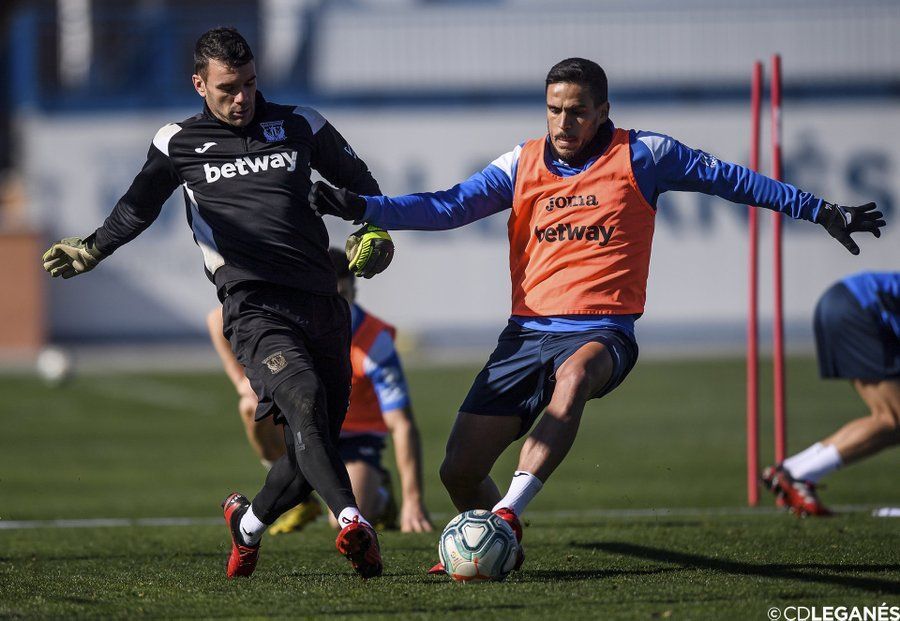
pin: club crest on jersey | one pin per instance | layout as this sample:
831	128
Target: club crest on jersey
273	131
276	362
709	161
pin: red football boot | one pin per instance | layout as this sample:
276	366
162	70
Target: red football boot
437	569
799	496
242	561
359	543
767	479
509	516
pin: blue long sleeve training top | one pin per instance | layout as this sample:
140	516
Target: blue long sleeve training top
660	164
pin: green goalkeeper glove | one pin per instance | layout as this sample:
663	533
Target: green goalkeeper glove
369	251
72	256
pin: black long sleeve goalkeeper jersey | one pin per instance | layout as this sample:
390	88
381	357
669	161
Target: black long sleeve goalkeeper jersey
245	194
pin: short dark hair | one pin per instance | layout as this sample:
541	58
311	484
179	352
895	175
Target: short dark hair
339	261
226	45
581	71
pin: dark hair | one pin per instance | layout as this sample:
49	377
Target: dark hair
223	44
339	261
587	73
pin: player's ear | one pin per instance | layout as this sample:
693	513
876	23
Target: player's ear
199	84
604	112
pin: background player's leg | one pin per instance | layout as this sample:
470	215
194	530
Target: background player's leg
265	437
475	443
367	484
580	376
795	481
866	436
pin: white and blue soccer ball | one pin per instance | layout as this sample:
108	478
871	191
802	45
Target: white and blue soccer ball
477	545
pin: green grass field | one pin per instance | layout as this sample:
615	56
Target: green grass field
164	446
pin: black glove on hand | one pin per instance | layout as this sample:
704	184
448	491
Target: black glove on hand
325	199
840	221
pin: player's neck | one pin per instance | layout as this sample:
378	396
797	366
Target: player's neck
595	147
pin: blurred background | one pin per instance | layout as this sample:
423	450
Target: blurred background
428	92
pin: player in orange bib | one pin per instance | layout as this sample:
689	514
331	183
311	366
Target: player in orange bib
379	405
582	204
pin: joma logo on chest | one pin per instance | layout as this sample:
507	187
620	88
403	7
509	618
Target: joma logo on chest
575	200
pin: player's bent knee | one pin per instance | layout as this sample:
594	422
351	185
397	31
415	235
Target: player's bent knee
890	419
574	379
455	475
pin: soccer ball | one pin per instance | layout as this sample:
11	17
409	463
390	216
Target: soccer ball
477	545
53	366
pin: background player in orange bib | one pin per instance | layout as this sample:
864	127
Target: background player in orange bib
582	204
379	404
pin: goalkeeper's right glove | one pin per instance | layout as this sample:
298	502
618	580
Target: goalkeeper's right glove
72	256
369	251
342	203
840	221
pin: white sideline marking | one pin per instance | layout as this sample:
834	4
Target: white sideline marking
107	523
584	513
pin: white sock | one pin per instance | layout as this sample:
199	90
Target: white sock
267	464
252	528
813	465
348	514
523	487
808	452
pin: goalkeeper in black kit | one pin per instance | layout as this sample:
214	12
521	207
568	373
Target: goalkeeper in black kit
244	164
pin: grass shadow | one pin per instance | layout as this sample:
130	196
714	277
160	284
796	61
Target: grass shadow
802	572
577	575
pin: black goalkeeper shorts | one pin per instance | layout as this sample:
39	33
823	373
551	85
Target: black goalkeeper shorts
278	332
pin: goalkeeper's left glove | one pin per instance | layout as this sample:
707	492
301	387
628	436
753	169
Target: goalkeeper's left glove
369	251
840	221
342	203
72	256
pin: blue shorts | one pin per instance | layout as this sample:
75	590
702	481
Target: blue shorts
520	375
365	447
851	341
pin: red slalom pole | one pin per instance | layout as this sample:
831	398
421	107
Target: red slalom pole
753	301
778	326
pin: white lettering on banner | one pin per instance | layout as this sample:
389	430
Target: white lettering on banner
248	165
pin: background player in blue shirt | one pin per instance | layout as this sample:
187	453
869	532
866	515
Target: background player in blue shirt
857	326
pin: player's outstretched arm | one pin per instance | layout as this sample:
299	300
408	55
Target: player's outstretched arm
841	221
133	213
72	256
483	194
664	164
339	202
233	368
408	452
